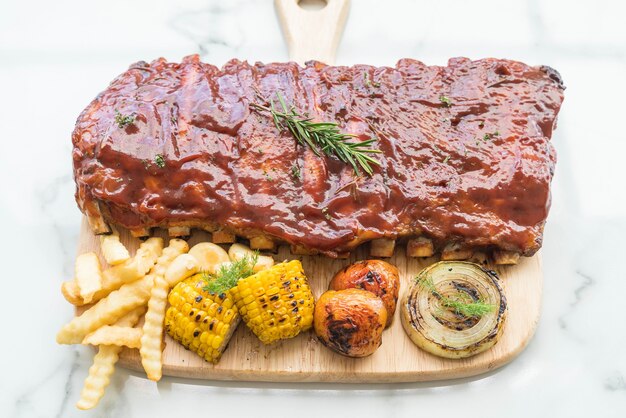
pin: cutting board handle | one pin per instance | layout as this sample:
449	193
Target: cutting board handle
312	34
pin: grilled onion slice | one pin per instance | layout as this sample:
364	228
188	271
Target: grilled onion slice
454	309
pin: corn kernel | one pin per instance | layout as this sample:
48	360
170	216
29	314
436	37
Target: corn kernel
200	321
270	314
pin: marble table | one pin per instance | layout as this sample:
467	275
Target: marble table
56	56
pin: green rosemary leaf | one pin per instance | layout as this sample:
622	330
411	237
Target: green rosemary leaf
323	136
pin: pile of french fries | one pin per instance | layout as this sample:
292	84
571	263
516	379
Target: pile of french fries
129	288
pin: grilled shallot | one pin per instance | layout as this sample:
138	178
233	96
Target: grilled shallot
376	276
350	322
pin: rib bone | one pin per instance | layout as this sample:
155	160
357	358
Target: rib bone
223	237
420	247
505	257
262	242
179	231
455	251
382	247
301	250
140	232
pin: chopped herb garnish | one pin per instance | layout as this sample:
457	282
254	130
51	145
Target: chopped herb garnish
487	137
445	100
369	82
267	175
228	275
159	161
322	137
295	171
445	160
122	120
260	151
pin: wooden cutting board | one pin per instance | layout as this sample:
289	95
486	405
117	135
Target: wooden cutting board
315	35
304	359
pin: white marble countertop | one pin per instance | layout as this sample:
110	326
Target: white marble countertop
56	56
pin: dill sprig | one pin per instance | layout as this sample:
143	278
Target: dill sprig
228	275
324	136
461	304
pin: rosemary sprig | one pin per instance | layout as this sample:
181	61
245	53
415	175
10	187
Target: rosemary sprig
324	136
460	304
228	275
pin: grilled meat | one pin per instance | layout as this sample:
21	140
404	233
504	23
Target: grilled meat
466	153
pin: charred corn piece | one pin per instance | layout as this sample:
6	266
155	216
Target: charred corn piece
276	303
200	321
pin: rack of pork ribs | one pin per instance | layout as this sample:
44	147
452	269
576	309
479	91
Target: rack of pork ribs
465	165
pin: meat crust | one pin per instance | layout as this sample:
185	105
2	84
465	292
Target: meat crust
466	153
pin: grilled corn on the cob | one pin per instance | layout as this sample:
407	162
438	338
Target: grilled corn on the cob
276	303
202	322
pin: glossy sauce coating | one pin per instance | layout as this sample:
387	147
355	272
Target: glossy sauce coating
466	151
350	322
375	276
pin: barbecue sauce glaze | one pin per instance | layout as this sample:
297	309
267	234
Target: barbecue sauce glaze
466	152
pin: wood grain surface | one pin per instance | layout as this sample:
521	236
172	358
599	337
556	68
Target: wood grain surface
304	359
312	34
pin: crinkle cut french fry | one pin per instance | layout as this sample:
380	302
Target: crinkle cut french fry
147	254
114	335
71	293
114	277
174	249
183	266
107	311
99	376
119	302
88	275
103	366
151	350
131	318
113	250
